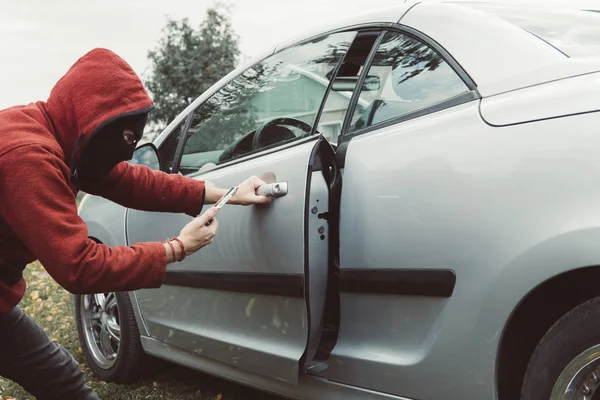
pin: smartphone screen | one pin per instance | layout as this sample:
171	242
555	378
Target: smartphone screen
223	200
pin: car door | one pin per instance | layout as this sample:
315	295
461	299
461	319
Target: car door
254	298
393	285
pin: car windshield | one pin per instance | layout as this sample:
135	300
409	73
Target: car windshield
576	33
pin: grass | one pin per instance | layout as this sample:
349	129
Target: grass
49	305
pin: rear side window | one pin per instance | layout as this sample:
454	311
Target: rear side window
406	76
338	99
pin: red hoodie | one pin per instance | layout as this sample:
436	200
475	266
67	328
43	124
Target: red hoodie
38	213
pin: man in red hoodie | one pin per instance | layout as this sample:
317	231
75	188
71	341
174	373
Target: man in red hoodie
78	140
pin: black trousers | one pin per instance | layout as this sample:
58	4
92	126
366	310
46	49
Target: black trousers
44	368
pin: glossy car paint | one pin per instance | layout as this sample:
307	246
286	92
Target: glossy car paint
524	105
470	198
262	333
491	50
504	207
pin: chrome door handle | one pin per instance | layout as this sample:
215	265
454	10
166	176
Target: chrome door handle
277	189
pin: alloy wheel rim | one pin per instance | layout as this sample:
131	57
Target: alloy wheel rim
101	328
580	379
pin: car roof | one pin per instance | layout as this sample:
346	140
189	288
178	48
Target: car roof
488	48
384	15
393	14
498	55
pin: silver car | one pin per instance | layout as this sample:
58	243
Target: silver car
436	231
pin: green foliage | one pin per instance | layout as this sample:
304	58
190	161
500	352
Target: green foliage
188	61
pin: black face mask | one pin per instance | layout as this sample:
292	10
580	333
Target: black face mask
107	148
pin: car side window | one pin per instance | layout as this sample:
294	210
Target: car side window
406	76
168	148
274	102
344	85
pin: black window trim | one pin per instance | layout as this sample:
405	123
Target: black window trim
181	125
344	140
472	94
179	152
359	84
344	137
446	56
357	27
273	284
452	102
188	118
328	89
398	281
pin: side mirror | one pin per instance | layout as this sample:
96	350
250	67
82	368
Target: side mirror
348	83
147	155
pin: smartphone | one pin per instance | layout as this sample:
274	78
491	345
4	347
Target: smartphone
226	197
223	200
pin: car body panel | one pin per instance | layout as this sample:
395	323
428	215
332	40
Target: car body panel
544	101
562	236
105	221
258	332
567	68
308	388
474	199
503	191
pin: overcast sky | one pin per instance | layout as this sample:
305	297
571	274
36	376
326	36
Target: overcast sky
41	39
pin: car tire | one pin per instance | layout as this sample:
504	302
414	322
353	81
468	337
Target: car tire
566	362
110	339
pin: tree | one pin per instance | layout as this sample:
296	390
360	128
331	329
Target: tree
188	61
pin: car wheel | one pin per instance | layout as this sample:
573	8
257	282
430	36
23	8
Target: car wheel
566	362
109	337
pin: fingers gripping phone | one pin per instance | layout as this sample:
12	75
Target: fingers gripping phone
223	200
226	197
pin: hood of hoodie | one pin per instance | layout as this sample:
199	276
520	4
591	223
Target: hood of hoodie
98	89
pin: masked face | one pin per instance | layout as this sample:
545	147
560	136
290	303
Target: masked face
110	146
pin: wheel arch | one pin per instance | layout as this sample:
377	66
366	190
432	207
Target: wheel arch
543	306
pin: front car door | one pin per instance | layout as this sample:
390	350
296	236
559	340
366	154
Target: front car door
254	298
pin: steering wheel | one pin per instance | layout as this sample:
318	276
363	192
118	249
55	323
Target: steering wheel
257	141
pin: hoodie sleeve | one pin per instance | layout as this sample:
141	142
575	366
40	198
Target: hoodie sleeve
139	187
40	208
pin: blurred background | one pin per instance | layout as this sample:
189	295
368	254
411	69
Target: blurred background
166	42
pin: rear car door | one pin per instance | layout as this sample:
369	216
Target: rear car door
393	285
254	298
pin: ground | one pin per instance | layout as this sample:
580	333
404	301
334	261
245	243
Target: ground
49	305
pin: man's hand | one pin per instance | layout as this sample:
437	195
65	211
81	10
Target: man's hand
197	234
246	194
